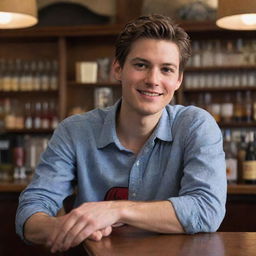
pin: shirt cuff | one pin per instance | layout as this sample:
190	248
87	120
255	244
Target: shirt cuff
185	214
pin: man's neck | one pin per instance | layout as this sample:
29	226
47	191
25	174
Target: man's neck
133	129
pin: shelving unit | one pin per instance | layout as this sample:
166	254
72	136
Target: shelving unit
69	45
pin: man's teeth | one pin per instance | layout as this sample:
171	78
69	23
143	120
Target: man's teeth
150	93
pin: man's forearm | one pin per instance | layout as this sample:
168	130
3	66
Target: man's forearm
156	216
38	227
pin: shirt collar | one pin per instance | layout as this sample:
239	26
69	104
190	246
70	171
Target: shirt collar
163	130
108	134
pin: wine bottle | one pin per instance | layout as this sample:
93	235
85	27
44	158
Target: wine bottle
249	165
230	157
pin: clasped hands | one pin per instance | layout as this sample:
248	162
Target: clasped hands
92	220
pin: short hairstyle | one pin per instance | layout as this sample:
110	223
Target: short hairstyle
153	27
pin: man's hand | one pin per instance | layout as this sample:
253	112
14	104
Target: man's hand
95	220
90	220
98	235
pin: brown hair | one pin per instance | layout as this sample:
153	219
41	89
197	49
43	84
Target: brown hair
153	27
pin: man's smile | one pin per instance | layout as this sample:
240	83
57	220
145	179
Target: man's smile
149	93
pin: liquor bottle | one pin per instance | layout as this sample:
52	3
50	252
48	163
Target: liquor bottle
238	108
227	109
28	120
230	157
197	56
36	76
7	76
241	153
249	165
53	75
44	75
248	107
19	159
5	158
45	122
53	117
37	116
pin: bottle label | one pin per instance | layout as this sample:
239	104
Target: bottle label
231	168
249	170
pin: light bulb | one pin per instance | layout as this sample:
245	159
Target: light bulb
249	19
5	17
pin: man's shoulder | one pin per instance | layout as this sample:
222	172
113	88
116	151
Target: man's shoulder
93	118
180	112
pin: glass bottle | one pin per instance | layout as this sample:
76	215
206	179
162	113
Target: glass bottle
28	121
249	165
19	159
238	108
53	75
196	56
230	157
38	116
7	76
241	153
53	115
44	75
227	109
248	107
207	54
45	116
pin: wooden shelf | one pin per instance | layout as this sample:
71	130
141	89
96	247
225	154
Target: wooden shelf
28	131
220	68
237	125
93	30
13	186
21	94
242	189
101	30
62	31
219	89
98	84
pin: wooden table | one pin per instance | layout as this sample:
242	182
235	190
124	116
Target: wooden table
126	241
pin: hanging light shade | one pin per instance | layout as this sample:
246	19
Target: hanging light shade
17	13
236	14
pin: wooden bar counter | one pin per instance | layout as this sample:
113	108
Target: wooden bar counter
128	241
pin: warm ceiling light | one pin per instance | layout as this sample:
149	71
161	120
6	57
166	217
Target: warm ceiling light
236	14
17	13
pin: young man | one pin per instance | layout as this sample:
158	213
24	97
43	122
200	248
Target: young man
168	161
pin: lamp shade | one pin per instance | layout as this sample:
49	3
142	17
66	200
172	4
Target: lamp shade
236	14
17	13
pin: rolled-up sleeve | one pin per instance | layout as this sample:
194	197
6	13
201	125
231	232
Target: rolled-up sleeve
52	181
200	206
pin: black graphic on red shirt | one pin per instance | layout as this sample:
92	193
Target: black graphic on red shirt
117	193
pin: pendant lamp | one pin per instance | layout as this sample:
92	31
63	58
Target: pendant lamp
17	13
236	14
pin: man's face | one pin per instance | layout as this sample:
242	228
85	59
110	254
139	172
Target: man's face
150	76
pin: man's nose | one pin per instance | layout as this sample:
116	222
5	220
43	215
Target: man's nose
152	77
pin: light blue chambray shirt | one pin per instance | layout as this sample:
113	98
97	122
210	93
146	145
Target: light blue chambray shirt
183	162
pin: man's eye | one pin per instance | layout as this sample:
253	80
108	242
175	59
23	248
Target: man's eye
140	65
167	70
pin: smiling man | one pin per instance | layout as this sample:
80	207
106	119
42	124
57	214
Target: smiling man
168	161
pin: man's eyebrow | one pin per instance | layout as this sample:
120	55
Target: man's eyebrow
140	59
146	61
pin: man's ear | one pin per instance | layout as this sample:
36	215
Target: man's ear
117	70
180	79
